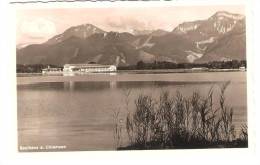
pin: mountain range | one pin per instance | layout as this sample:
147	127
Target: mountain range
220	37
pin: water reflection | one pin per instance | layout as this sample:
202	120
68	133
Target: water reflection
73	85
113	84
69	85
103	85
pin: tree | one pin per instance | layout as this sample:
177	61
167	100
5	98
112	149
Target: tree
140	65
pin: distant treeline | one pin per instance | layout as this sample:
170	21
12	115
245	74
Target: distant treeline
140	65
33	68
234	64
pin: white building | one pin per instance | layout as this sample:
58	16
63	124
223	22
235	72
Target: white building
242	68
50	70
88	68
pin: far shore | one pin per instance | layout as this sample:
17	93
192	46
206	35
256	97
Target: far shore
133	75
152	71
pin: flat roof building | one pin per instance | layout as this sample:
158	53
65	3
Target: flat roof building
85	68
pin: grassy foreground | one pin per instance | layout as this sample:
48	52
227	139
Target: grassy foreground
178	122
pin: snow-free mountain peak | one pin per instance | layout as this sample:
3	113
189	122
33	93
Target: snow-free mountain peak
227	15
81	31
219	23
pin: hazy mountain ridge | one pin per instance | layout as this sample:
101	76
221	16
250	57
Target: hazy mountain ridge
158	32
221	36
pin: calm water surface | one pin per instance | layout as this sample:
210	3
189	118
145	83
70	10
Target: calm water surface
78	111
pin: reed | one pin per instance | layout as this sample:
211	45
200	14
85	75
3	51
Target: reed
117	131
175	121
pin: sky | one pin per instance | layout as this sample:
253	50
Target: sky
38	25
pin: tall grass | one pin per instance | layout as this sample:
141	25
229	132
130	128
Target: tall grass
117	132
175	121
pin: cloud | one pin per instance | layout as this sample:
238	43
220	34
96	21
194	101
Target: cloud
38	28
125	24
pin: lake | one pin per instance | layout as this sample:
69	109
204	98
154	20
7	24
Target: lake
77	111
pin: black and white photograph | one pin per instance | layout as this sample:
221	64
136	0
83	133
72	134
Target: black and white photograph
131	78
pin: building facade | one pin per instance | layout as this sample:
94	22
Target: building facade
88	68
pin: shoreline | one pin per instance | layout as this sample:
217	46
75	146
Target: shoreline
144	71
201	77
